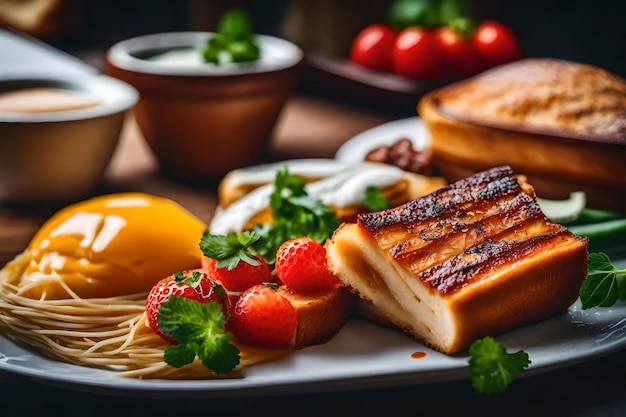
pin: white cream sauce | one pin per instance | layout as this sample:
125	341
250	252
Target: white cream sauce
341	185
271	57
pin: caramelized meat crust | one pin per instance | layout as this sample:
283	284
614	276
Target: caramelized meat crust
449	201
448	236
475	258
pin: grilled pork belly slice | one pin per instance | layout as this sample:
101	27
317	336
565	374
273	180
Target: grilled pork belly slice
473	259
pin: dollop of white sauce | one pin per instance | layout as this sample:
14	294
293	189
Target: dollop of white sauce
272	56
340	186
189	57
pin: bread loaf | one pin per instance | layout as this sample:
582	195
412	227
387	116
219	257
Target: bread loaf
560	123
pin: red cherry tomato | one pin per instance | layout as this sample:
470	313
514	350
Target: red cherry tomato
459	53
416	54
497	43
372	46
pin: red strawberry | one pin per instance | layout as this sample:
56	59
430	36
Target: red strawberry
241	277
232	261
301	266
193	285
263	317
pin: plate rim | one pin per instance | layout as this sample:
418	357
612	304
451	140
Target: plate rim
107	381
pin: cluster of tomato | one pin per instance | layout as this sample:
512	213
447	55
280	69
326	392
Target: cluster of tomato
426	47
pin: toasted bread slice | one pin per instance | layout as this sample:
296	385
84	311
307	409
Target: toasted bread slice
473	259
320	316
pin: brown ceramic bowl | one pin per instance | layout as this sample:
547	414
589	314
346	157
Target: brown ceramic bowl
58	134
202	121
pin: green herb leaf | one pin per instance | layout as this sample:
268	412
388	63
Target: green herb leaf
450	10
193	279
234	41
404	13
200	331
228	250
375	200
235	24
427	13
604	285
295	213
462	25
244	50
491	368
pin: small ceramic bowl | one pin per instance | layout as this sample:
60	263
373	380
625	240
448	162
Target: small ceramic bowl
202	120
58	134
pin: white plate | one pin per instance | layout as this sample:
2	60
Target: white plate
362	355
357	148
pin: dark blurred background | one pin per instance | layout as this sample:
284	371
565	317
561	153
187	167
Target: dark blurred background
590	31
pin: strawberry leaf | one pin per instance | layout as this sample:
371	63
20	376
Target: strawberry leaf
200	331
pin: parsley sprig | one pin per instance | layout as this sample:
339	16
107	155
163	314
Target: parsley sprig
200	331
234	41
492	368
375	200
229	249
604	285
295	213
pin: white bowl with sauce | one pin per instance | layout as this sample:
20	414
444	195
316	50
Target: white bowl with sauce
203	120
58	134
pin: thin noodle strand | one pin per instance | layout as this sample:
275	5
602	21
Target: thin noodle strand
108	333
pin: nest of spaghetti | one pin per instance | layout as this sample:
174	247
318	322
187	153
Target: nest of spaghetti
77	292
108	333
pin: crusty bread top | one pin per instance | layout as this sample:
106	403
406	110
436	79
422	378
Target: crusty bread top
540	95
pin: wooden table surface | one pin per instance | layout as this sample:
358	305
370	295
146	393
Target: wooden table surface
310	126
